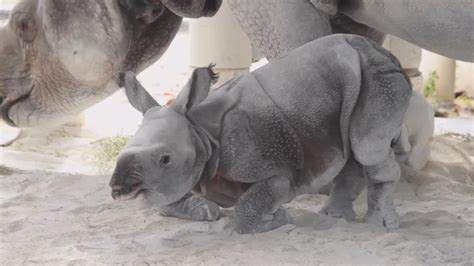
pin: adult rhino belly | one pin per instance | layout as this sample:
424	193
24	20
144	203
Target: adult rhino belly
441	26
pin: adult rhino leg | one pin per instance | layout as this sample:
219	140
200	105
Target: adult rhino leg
259	208
346	187
276	27
192	207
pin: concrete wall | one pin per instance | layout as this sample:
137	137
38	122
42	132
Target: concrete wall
453	75
465	77
4	4
220	40
5	7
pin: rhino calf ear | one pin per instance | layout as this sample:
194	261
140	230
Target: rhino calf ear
196	90
136	94
327	6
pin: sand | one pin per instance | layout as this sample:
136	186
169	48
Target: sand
56	208
51	217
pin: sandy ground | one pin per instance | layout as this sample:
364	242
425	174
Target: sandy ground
55	206
58	218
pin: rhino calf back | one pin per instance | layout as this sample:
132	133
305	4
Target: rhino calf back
293	117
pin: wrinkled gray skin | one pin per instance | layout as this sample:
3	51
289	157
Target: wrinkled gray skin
276	27
288	128
59	57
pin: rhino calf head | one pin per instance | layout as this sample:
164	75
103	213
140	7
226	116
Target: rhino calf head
167	155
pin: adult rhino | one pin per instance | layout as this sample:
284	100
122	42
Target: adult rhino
276	27
59	57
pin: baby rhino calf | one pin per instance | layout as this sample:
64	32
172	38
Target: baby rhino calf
328	111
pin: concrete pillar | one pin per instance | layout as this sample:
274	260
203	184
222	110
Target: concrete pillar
409	56
221	41
445	68
465	77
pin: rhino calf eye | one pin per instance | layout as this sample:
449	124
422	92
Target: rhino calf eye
165	160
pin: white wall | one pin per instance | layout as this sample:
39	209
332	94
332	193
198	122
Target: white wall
454	75
7	4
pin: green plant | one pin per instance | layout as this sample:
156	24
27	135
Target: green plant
429	86
106	151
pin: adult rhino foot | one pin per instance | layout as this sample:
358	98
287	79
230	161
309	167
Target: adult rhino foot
384	217
268	222
8	134
192	207
339	210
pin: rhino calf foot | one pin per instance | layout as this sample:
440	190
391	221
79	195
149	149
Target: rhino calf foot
339	210
259	208
192	207
382	179
345	188
380	219
268	222
383	217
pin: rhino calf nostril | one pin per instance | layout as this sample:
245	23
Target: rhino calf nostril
116	187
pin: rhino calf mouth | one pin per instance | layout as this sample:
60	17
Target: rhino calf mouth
126	192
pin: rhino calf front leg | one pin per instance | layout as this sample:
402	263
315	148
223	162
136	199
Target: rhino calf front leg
381	182
259	208
192	207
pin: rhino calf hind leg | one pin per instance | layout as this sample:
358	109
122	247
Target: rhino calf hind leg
381	181
259	208
346	187
192	207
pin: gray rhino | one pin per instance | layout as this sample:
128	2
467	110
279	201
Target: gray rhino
278	26
327	111
59	57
